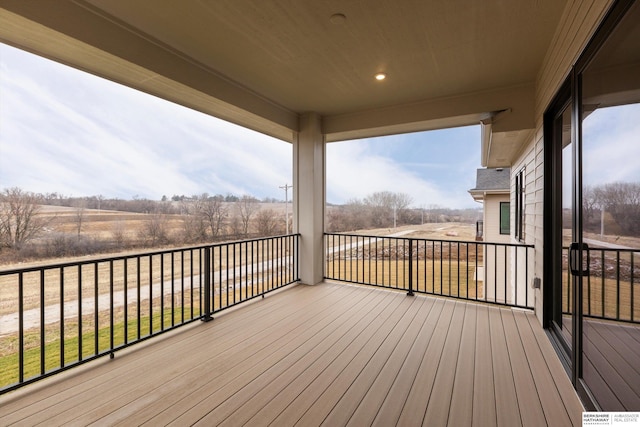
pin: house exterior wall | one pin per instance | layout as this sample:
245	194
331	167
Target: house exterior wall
577	25
496	258
491	218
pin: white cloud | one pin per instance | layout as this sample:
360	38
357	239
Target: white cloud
354	172
69	132
611	147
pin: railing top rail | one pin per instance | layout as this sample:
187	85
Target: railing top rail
471	242
135	255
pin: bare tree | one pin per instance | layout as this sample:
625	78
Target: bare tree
354	215
155	230
235	225
622	201
80	206
386	207
118	231
214	213
194	226
246	207
266	222
204	216
400	204
99	199
433	212
19	219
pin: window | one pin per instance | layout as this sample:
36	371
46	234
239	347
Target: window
505	220
479	229
519	228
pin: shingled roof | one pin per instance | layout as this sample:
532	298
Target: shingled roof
491	180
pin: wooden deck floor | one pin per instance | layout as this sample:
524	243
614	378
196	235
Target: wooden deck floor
330	354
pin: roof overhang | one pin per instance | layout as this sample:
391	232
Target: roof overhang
479	196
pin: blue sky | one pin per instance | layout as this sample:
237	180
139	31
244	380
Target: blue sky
62	130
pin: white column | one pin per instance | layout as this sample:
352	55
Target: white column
309	196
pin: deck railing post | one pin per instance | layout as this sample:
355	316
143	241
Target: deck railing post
206	317
410	293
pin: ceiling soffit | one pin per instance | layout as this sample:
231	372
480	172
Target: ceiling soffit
448	63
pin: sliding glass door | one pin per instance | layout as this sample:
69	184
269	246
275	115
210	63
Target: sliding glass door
610	217
592	132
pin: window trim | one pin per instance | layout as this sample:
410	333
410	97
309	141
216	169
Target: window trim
520	206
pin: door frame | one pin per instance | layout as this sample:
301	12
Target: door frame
552	223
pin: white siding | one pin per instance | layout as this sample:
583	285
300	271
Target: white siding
497	277
492	218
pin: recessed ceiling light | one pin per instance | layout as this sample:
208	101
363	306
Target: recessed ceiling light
381	76
337	19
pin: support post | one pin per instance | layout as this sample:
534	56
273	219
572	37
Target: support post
309	196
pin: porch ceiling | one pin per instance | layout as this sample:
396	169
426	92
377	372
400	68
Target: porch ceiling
261	64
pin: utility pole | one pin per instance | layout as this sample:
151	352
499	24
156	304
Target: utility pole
286	188
394	216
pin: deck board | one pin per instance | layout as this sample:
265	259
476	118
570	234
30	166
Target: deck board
529	402
313	387
484	399
269	406
420	392
439	402
556	370
550	398
335	392
463	385
271	384
389	412
352	398
329	354
378	392
507	406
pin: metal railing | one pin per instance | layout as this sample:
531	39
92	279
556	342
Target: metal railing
610	290
55	317
498	273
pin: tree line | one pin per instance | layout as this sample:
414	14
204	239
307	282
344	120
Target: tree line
181	220
137	204
619	201
28	232
387	209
